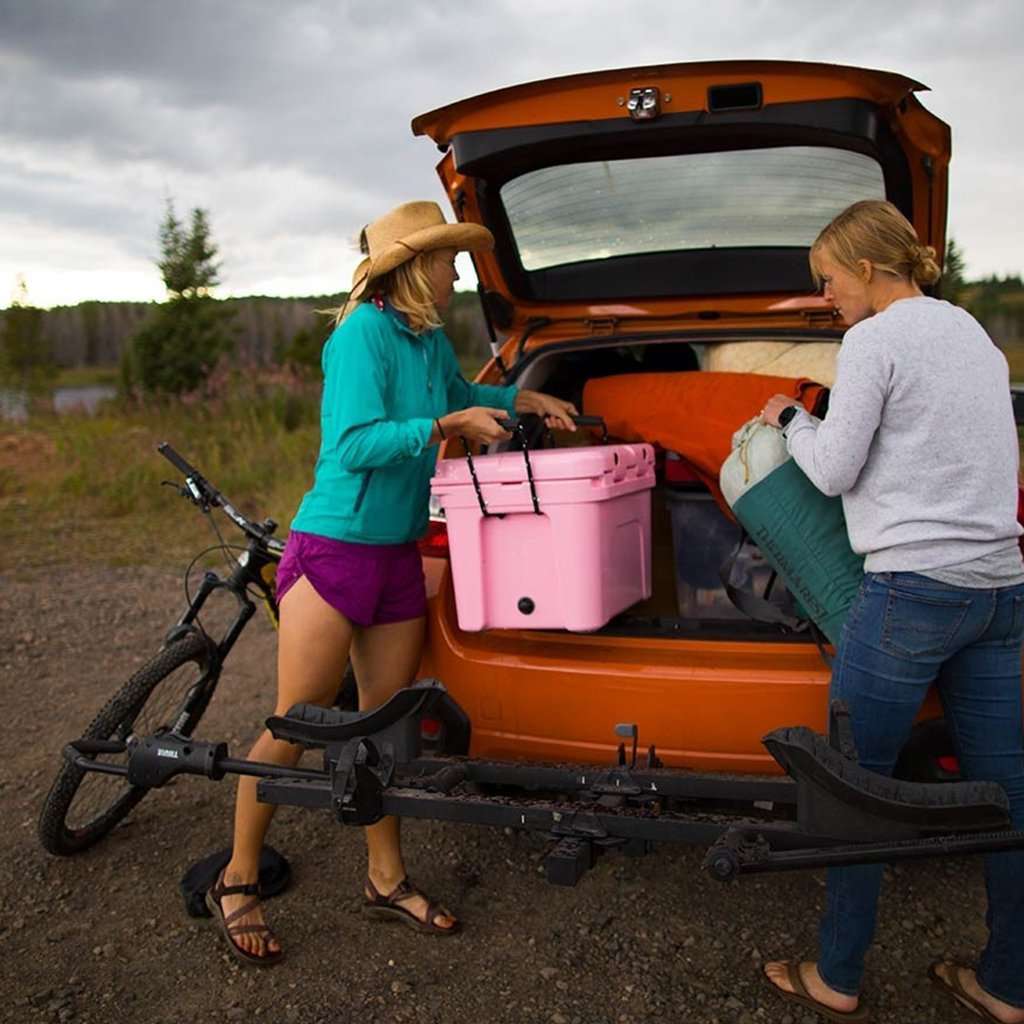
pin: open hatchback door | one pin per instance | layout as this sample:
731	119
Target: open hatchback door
683	187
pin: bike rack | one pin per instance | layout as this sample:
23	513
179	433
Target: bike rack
828	811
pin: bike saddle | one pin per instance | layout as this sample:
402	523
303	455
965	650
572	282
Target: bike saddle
313	725
839	799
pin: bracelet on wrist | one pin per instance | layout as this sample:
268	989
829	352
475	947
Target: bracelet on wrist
440	429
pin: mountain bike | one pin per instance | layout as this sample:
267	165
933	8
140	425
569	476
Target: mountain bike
171	692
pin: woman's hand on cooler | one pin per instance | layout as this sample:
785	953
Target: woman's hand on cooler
775	405
556	412
478	423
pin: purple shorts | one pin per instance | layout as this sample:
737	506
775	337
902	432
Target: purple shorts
370	584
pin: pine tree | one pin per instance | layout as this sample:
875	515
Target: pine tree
180	343
953	281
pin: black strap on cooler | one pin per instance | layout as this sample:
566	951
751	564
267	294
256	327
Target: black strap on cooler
520	435
516	426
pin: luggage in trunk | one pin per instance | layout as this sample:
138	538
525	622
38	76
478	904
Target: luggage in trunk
800	531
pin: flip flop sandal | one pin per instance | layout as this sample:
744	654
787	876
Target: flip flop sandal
229	929
802	997
953	987
387	908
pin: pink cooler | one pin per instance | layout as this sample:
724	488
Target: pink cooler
583	558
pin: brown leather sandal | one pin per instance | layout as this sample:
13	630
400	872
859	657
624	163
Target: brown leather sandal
387	908
954	988
229	930
803	998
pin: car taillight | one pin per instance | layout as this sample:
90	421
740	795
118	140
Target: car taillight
430	728
680	473
434	544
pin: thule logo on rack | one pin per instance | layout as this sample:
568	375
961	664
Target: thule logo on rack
166	752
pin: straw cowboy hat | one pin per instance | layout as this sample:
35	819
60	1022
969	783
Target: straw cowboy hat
405	232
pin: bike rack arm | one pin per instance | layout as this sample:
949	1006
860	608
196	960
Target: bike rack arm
741	852
156	760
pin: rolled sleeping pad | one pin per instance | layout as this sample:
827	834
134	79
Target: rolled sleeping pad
800	531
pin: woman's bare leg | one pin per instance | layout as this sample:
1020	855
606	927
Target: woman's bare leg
312	652
385	659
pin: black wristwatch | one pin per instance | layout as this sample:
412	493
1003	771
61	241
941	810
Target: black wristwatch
786	415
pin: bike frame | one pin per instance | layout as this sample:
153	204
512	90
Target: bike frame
262	553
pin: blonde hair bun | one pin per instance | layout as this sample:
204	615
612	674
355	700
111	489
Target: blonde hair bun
926	267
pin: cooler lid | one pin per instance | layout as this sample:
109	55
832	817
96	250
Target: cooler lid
594	462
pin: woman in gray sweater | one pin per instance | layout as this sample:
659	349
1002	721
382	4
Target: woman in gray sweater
921	444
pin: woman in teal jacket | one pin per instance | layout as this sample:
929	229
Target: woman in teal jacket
350	582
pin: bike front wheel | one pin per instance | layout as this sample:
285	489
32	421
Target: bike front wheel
171	691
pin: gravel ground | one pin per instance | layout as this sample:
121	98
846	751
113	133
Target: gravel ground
104	936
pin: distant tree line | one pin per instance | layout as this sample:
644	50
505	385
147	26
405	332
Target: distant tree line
170	347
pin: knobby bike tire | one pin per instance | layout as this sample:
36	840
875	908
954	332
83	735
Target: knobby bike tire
116	718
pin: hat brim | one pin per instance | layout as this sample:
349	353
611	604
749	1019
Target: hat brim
461	237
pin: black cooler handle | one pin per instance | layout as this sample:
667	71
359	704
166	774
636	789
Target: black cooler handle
517	429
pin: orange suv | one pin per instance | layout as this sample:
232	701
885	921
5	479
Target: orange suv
647	221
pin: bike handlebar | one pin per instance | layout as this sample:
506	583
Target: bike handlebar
201	492
176	460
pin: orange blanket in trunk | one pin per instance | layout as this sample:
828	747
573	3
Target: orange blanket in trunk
694	413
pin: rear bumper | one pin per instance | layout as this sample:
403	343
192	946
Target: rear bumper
704	704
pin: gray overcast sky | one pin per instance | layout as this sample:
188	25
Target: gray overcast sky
289	122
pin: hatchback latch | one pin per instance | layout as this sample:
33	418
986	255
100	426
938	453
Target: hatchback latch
644	104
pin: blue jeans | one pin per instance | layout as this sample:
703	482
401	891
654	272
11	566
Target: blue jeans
905	632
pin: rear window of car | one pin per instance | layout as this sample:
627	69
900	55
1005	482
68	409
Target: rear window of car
754	198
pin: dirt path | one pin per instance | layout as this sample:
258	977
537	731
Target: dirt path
103	937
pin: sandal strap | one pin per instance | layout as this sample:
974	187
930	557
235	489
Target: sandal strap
219	889
251	889
403	891
246	908
248	929
796	979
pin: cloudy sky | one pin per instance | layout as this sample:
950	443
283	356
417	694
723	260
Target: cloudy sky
289	122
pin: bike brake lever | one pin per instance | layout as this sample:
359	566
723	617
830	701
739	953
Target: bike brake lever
182	490
190	491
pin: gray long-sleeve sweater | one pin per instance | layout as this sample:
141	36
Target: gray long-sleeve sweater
919	440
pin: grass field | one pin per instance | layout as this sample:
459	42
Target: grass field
89	488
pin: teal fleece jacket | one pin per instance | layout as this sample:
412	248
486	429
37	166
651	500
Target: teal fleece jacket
384	385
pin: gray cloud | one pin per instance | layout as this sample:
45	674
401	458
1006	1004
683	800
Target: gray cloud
290	122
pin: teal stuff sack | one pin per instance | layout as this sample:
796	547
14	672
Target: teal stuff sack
802	534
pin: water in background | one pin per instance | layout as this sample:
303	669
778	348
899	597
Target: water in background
14	404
